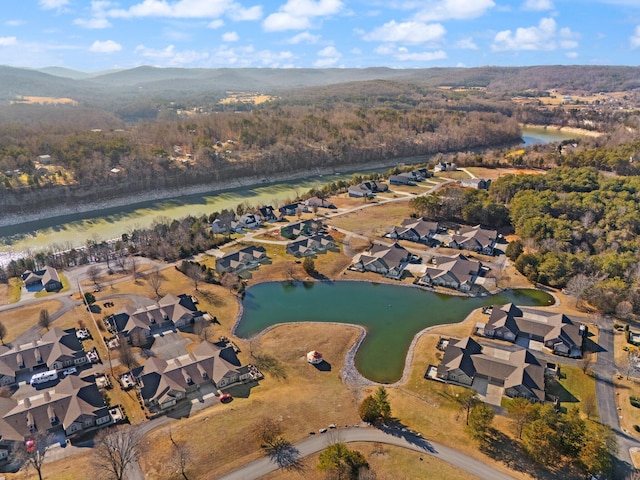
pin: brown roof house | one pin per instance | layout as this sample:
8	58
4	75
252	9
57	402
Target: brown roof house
556	331
415	230
163	384
56	350
476	239
74	406
367	189
468	363
456	272
46	278
320	203
169	312
386	260
247	258
305	246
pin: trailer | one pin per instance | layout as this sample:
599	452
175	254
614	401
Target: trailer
43	377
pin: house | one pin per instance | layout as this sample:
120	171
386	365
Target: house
248	257
444	167
164	384
56	350
169	312
457	272
293	209
267	214
248	220
477	183
306	227
401	179
305	246
44	159
423	172
317	202
218	227
475	239
415	230
555	331
74	406
519	373
367	189
386	260
46	278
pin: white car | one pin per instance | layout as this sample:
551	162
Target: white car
70	371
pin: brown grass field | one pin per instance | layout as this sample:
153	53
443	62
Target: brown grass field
19	321
374	221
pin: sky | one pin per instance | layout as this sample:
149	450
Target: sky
97	35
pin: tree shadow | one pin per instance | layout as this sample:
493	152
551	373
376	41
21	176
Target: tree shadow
288	458
556	389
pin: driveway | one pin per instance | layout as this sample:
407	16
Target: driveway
317	443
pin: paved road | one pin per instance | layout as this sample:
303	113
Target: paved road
317	443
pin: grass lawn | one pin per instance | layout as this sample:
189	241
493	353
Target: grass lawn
572	387
374	221
19	321
12	291
388	462
299	402
78	467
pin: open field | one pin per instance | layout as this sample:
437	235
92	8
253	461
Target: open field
79	469
388	462
33	100
300	401
19	321
493	173
572	387
374	221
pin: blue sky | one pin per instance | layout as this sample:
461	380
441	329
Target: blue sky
103	34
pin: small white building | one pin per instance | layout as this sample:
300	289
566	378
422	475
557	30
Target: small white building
314	357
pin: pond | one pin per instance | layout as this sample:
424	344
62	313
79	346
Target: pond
392	315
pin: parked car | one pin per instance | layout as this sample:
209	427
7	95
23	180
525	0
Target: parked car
226	397
70	371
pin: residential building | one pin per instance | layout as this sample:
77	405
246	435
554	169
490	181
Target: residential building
415	230
55	350
457	272
169	312
386	260
293	209
402	179
306	227
518	372
46	278
367	189
317	202
478	183
218	227
268	214
248	220
555	331
304	246
475	239
164	384
247	258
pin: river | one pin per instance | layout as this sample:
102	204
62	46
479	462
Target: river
73	230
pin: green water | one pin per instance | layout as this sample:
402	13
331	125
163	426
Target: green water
541	135
392	315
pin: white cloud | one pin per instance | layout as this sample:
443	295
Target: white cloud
298	14
53	4
452	9
8	41
169	56
14	23
571	54
230	37
405	56
412	33
304	37
329	57
634	39
92	23
538	5
108	46
544	36
466	44
240	14
216	24
187	9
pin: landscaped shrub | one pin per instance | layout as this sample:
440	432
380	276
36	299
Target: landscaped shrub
635	401
636	428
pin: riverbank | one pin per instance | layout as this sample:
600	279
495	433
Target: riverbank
568	130
158	195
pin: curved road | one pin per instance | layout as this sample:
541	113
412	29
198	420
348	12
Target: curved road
318	443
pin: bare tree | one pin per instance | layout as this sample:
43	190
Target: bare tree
93	272
44	321
589	405
579	286
117	449
624	309
585	363
229	280
182	455
194	272
156	279
32	453
127	357
3	332
134	267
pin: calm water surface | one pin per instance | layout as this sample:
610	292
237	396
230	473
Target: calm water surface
392	315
